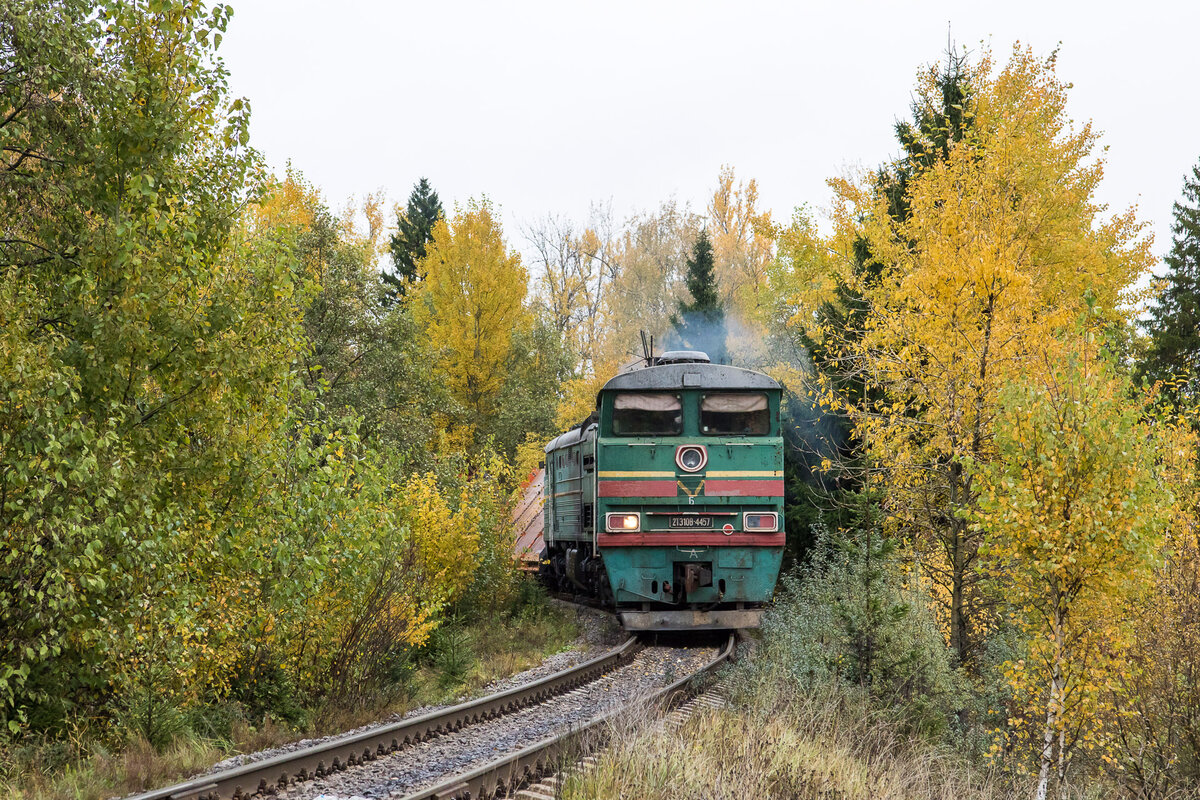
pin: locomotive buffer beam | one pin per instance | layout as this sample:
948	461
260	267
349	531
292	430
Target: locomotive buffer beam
686	619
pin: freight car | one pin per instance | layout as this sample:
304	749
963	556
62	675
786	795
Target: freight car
667	501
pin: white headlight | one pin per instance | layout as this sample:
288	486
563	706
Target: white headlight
622	523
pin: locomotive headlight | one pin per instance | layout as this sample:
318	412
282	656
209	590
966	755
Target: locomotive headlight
760	521
691	457
618	523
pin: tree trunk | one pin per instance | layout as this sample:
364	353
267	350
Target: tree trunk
962	498
958	621
1052	708
1062	763
1047	745
959	641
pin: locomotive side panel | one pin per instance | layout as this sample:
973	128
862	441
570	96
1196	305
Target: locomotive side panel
569	561
570	490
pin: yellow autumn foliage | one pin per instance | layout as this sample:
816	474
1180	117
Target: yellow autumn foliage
444	541
742	240
1001	250
579	394
469	303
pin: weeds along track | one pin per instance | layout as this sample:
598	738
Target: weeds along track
287	774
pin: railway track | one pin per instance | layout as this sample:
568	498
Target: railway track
279	772
549	756
558	713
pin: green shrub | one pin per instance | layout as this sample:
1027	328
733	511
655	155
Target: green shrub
852	615
451	655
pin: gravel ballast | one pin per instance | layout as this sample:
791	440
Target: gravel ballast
427	762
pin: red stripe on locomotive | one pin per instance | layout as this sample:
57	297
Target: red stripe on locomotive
700	538
637	489
737	488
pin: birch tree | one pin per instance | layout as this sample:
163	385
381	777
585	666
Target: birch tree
742	241
1072	510
575	272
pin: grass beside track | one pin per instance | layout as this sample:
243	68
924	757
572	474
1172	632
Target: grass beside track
460	660
817	744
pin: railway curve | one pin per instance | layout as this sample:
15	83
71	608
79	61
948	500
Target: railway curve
274	774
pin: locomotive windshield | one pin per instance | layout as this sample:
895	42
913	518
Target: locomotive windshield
735	414
647	414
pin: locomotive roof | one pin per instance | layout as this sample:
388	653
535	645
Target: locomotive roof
690	376
575	434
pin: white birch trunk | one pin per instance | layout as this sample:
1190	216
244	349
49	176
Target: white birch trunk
1052	710
1062	763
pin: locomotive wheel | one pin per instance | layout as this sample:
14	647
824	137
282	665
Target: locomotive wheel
605	592
561	582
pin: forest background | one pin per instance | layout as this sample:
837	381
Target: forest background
256	452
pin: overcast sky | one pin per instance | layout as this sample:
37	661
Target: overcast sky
546	107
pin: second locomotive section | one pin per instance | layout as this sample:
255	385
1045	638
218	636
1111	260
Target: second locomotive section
668	501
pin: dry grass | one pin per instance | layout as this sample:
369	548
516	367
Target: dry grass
821	745
84	768
102	773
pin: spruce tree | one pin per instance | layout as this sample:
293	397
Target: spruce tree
414	229
700	324
937	124
1173	355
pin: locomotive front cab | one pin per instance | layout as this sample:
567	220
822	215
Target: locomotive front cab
689	494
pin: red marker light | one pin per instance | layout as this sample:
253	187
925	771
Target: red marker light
763	521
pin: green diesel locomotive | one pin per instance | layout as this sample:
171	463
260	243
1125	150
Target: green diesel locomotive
667	502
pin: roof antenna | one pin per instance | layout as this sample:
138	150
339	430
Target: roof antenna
647	349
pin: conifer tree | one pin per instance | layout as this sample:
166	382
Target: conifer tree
700	324
414	229
1173	356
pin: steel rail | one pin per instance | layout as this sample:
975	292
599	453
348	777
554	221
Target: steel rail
511	772
259	777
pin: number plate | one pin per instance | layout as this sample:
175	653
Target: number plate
690	522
